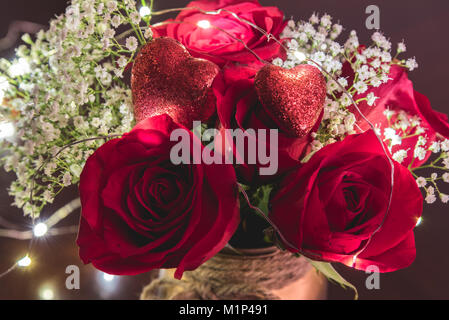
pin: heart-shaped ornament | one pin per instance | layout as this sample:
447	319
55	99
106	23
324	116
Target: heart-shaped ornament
167	79
294	98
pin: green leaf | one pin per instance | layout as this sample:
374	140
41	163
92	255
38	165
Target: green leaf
263	195
328	270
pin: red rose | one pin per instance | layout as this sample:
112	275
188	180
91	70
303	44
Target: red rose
398	94
219	46
334	207
141	212
238	107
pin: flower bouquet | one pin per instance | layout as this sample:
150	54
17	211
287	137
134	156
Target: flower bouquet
229	144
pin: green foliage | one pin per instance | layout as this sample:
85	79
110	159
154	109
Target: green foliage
328	270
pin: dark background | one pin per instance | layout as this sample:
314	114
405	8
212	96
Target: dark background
424	25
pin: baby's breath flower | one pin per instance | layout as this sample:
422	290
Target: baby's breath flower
390	134
148	33
343	82
371	99
401	47
430	198
421	182
420	153
445	177
411	64
116	21
435	147
445	145
361	87
135	18
446	163
400	155
131	43
111	5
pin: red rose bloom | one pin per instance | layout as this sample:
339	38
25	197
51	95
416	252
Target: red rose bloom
238	107
219	46
334	207
141	212
398	94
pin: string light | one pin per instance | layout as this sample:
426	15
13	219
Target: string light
47	293
24	262
40	229
144	11
204	24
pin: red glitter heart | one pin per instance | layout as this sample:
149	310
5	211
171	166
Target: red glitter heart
167	79
294	98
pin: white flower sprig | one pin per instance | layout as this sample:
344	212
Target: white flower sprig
316	39
67	85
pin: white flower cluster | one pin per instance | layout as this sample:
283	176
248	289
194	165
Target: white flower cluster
440	163
67	85
403	126
314	41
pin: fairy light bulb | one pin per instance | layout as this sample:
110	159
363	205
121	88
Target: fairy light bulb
40	229
204	24
108	277
144	11
47	294
24	262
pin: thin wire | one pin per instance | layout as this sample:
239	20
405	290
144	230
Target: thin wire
269	37
219	29
270	222
63	212
50	222
12	268
27	235
354	258
7	224
15	29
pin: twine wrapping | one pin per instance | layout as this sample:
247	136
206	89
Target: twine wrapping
230	277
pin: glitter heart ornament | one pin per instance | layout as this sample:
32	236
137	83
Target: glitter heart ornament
294	98
165	78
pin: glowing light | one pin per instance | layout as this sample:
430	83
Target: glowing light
19	68
47	294
418	222
108	277
204	24
300	56
7	130
144	11
24	262
40	229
